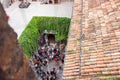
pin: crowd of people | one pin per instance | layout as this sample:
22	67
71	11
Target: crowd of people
43	57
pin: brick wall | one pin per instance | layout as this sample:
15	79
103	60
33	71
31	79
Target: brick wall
100	45
101	37
72	60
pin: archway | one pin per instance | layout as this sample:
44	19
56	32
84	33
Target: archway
51	38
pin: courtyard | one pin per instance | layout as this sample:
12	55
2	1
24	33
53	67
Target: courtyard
19	18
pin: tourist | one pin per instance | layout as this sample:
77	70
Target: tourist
53	73
62	57
45	55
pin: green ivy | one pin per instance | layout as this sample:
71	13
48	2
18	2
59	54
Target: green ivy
111	78
30	36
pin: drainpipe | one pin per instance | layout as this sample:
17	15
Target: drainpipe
81	33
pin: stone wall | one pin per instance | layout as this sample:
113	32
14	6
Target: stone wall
94	39
13	64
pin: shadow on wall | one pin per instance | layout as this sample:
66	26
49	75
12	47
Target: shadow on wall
13	64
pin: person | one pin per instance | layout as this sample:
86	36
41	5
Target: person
31	62
60	67
48	75
46	39
62	57
40	53
44	75
42	41
57	52
45	62
48	43
35	61
50	57
53	73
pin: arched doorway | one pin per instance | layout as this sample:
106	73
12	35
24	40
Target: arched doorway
51	38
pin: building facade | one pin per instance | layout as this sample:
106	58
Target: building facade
93	47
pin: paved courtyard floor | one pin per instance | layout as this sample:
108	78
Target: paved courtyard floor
19	18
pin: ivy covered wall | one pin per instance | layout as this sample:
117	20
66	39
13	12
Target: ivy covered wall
30	36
